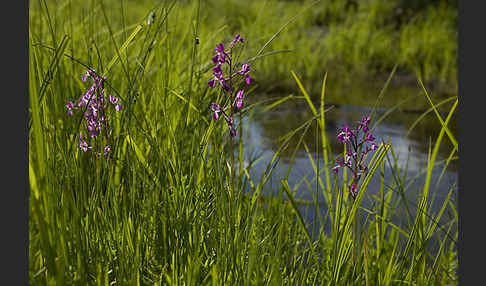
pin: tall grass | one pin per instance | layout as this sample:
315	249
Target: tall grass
161	211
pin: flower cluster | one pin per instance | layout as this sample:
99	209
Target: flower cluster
94	103
223	60
357	147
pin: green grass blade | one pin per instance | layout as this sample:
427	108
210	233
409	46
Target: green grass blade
431	162
288	191
325	145
141	157
277	103
122	49
449	133
424	114
306	95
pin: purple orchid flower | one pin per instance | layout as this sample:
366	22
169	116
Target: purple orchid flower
94	103
226	78
220	48
248	79
369	137
238	38
239	99
113	99
83	145
245	68
357	149
106	150
216	110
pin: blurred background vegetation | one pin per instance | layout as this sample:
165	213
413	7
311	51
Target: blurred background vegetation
357	42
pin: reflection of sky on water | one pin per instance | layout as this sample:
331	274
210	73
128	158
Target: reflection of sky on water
261	141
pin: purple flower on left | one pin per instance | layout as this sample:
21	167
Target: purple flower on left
93	105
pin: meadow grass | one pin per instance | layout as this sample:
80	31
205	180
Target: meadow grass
161	211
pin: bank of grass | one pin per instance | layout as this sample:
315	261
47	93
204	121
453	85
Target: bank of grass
160	212
357	40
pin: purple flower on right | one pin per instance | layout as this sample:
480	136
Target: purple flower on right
359	142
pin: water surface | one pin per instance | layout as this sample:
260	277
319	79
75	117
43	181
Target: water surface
262	131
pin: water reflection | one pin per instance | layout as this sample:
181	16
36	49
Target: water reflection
262	131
